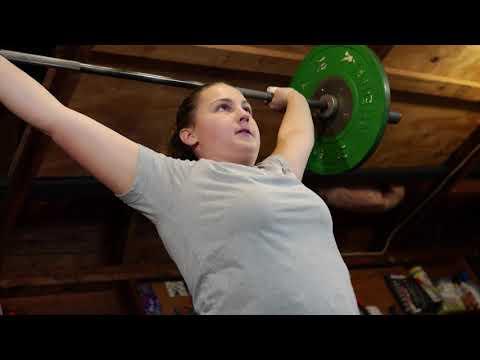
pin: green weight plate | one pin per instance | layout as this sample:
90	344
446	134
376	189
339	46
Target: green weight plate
355	76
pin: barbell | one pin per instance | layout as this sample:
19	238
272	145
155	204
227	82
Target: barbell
345	86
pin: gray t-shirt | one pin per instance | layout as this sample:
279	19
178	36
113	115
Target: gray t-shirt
246	239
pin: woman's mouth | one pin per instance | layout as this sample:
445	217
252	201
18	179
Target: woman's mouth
245	132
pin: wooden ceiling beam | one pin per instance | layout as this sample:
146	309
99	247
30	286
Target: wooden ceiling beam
416	82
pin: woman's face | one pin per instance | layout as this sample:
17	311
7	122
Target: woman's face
224	128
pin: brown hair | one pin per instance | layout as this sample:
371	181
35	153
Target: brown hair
176	147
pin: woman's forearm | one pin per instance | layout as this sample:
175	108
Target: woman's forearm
363	199
297	118
26	98
104	153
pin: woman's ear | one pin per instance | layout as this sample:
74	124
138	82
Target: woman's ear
188	137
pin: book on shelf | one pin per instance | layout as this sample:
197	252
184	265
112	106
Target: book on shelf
165	298
418	294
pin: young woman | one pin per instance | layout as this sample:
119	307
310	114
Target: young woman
247	238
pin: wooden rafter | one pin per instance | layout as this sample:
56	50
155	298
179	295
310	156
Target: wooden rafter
435	85
458	165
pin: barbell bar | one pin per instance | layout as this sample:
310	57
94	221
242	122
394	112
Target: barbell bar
323	105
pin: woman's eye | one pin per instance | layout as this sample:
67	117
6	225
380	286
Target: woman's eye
223	107
247	109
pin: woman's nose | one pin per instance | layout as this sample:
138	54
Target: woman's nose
244	116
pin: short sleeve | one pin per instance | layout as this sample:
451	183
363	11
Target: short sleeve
158	179
275	164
